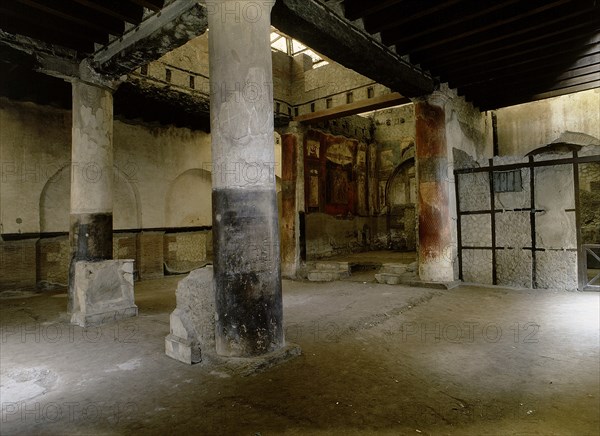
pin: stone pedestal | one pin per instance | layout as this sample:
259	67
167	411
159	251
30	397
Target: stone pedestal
103	292
247	270
193	321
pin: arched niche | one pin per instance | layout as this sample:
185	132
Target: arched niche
55	204
189	200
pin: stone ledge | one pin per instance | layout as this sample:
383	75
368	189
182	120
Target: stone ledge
95	319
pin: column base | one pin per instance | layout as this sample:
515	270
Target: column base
246	366
436	271
102	292
192	323
184	350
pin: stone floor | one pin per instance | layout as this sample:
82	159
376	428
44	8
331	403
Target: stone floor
377	359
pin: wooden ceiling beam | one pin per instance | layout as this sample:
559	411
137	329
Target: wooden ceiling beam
319	27
153	5
358	107
121	10
481	44
77	15
578	29
64	36
553	60
504	101
360	9
549	80
383	22
564	48
454	37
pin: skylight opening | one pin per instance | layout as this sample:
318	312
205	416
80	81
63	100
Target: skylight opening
292	47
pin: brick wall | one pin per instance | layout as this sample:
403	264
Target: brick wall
150	257
17	264
53	257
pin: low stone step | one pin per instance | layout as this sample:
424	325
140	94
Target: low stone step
332	266
388	279
320	275
393	268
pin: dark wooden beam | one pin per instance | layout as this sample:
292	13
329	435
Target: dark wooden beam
567	48
388	19
495	41
45	20
553	60
179	22
320	28
29	26
121	10
490	104
517	44
77	14
520	81
358	107
154	5
455	37
446	23
355	9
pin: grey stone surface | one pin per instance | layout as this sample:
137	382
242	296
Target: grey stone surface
192	323
513	268
476	230
474	192
555	195
477	266
556	270
103	292
513	229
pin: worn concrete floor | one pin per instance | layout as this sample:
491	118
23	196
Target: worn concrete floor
377	359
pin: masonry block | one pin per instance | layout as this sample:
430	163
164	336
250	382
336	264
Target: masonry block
193	321
150	256
103	292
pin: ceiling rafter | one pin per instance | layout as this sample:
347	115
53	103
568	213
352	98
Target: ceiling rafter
500	52
455	37
77	14
382	21
121	10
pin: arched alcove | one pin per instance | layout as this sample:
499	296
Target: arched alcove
400	197
55	204
189	200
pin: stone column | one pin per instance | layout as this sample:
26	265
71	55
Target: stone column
92	171
247	270
292	180
436	247
92	212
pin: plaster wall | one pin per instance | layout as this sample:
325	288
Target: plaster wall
161	180
555	265
525	127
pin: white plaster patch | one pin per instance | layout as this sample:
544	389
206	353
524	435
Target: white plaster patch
130	365
25	383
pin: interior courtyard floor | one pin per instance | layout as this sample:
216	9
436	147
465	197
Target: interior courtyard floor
376	359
